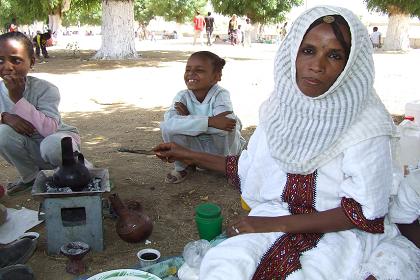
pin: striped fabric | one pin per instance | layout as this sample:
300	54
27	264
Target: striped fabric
303	132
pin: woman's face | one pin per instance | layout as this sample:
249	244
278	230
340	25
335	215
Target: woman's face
14	59
320	59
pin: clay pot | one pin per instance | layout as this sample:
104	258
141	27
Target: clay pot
75	251
132	226
73	173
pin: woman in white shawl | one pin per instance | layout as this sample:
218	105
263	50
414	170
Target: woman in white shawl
317	172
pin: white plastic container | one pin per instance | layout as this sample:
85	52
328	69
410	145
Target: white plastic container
413	109
409	143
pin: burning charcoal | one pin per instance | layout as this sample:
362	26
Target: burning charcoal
95	184
52	189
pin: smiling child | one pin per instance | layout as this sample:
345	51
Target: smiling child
201	117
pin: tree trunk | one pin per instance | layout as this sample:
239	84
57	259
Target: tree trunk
397	33
54	23
118	39
55	19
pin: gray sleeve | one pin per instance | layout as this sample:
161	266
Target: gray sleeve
45	97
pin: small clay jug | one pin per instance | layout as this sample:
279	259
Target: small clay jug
132	226
72	173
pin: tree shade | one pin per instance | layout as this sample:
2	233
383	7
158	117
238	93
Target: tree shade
259	11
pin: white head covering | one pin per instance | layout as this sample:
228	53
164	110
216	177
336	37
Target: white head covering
304	133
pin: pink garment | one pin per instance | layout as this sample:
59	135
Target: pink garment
43	124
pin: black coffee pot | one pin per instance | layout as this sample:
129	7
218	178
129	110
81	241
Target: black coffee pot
72	173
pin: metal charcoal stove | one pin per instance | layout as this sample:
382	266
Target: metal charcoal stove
72	216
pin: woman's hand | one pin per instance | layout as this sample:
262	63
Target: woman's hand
15	84
19	124
222	122
181	109
253	224
170	152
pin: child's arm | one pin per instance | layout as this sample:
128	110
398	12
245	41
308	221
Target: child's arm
43	124
223	120
179	121
24	113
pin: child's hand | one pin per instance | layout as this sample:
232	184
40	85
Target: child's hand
181	109
19	124
15	84
170	152
222	122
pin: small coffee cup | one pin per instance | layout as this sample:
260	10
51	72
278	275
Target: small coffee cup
148	257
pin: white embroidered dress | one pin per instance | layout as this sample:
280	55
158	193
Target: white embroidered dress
363	173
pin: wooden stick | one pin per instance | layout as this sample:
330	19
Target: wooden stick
136	151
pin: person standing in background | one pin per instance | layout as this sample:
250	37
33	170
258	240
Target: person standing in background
375	37
40	42
199	25
233	27
247	33
209	21
283	31
13	26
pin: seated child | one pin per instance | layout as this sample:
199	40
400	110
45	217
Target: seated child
30	125
201	117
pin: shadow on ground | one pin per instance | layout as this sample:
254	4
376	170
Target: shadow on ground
67	63
136	177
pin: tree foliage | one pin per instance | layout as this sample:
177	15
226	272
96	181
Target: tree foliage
143	12
28	11
83	12
259	11
89	11
22	11
390	7
177	10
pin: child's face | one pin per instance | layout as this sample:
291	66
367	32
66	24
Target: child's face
14	59
320	60
199	74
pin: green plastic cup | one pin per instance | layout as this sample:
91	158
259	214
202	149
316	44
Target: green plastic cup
209	220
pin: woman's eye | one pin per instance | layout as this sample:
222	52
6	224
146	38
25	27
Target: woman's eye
307	51
335	56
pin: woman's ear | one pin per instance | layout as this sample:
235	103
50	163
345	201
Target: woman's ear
32	62
219	76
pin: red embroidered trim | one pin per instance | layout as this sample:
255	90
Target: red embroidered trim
282	258
232	171
300	193
353	211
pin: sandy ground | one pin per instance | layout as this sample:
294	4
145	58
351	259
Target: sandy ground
120	104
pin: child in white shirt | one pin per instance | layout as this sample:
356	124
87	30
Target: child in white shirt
201	117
